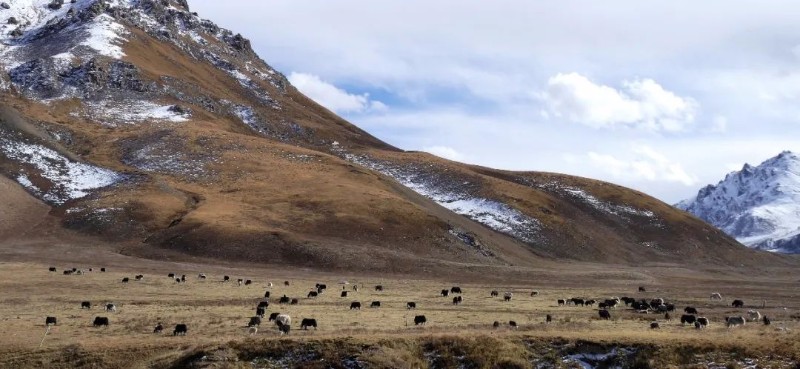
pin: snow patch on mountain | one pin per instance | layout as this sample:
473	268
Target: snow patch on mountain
456	197
26	20
759	206
67	179
114	114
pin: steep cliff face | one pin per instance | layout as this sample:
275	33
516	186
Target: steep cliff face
760	206
140	122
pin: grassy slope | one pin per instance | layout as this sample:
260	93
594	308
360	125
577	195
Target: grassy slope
262	200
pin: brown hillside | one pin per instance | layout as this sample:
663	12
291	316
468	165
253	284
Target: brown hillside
260	173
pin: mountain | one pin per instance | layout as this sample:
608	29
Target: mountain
760	206
165	136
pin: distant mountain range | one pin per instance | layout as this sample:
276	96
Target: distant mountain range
759	206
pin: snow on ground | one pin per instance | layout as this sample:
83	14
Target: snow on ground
70	180
607	206
491	213
247	115
134	112
103	34
620	210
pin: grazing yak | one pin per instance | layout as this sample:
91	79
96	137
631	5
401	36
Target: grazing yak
355	305
158	329
411	305
379	288
263	305
507	296
285	283
312	294
496	324
455	289
308	322
457	300
111	307
260	312
125	280
642	289
284	300
754	315
67	272
273	316
284	328
604	314
703	321
139	277
534	293
766	320
690	310
201	276
226	278
344	294
183	277
494	294
50	320
734	321
86	305
266	294
716	296
577	301
688	319
589	302
548	318
52	269
738	303
445	293
248	282
171	275
254	321
321	286
612	303
375	304
512	323
100	321
420	319
562	302
283	319
240	281
180	330
294	302
103	270
655	325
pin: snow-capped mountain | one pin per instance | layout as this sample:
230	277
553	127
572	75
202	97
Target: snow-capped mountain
759	206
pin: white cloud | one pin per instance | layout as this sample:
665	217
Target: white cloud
640	103
332	97
444	152
643	163
720	124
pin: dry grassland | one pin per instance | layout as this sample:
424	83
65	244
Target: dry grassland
217	312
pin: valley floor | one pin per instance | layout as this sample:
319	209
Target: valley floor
217	313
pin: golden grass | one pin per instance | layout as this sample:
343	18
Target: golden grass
217	313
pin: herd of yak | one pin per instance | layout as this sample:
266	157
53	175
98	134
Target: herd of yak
283	321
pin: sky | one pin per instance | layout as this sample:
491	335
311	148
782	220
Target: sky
661	96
